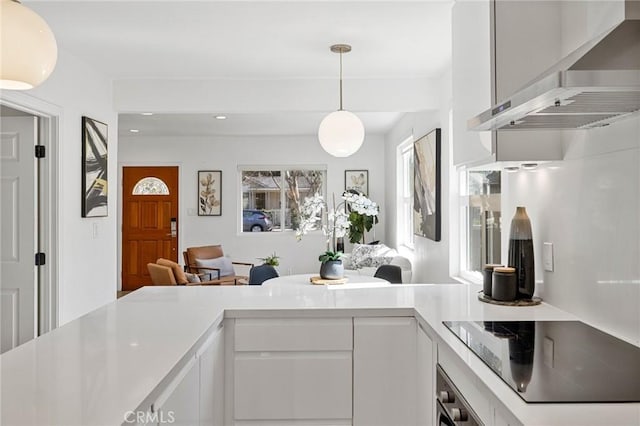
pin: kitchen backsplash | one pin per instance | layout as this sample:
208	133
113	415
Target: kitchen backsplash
588	206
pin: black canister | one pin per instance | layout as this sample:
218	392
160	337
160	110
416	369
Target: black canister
504	286
487	274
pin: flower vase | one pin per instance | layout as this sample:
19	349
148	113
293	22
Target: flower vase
521	253
332	270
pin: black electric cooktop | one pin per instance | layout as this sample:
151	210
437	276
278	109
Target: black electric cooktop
555	361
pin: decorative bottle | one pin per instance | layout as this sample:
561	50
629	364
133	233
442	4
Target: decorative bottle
521	253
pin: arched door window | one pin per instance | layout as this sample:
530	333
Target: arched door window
150	186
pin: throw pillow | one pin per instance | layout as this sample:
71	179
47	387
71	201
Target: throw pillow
364	255
178	272
222	263
193	278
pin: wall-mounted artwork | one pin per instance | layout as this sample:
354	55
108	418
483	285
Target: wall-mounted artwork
357	180
94	168
426	186
210	193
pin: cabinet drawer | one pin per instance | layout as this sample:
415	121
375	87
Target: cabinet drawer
295	334
293	385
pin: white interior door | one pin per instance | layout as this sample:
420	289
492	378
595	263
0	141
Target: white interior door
18	217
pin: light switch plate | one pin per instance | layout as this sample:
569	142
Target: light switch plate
547	256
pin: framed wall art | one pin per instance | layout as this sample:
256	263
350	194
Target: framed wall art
357	180
426	190
209	193
94	168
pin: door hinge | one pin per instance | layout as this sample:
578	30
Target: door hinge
40	259
40	151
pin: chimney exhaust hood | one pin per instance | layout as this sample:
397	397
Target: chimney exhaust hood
597	84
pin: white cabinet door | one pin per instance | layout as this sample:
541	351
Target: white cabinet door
384	371
178	403
426	379
211	363
289	371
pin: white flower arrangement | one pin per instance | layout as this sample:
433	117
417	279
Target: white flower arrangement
361	204
338	222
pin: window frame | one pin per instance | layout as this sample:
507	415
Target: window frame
404	195
463	218
283	198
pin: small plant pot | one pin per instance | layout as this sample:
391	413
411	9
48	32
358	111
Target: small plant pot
332	270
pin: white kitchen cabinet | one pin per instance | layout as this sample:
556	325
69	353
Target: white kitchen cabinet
178	403
290	371
425	377
211	389
384	375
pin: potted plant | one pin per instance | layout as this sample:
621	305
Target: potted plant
363	215
331	267
273	260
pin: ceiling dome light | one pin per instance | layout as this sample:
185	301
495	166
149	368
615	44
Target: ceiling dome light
221	117
341	133
28	52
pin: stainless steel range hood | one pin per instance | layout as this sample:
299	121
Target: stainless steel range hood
597	84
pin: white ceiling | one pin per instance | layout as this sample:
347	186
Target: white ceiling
253	40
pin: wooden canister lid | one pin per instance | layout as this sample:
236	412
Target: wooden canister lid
491	266
505	270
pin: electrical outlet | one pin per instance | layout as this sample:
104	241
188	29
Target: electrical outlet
94	230
547	256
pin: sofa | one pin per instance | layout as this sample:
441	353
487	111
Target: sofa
366	258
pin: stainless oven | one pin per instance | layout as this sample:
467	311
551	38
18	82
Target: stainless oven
451	408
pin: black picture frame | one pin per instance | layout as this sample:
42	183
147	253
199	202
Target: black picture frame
427	206
357	180
209	192
95	139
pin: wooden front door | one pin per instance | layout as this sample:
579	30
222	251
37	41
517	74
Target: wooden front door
149	221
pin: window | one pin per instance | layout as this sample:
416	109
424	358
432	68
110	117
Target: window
150	186
271	198
405	193
480	221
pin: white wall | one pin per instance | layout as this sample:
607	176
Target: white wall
430	259
589	208
86	276
226	153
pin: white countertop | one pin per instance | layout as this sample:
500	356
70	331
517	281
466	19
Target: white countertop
94	369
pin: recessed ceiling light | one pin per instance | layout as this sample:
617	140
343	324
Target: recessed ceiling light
134	130
221	117
511	169
529	166
147	113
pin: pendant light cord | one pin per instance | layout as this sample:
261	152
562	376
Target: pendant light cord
340	81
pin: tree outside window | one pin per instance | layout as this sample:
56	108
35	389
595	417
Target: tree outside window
279	193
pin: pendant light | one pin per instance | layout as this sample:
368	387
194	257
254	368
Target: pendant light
341	133
28	50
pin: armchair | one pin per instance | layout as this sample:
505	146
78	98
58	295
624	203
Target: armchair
168	272
211	259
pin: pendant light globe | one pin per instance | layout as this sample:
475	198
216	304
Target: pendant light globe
28	52
341	133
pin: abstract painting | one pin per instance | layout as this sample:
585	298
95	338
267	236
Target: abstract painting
209	193
357	180
94	168
426	186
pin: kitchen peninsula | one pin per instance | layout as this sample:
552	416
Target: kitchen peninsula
139	353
